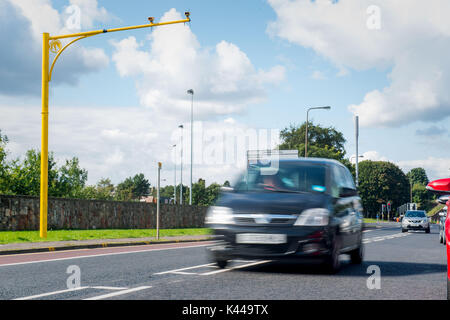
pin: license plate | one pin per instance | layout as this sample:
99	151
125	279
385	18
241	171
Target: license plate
261	238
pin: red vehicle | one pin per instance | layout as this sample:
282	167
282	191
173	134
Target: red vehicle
442	187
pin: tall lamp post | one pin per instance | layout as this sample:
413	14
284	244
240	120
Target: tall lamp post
191	92
356	171
307	120
53	44
181	166
175	175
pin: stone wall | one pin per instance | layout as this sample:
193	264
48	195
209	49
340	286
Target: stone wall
22	213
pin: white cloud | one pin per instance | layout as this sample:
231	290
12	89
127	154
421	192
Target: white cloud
436	168
413	40
223	78
24	21
318	75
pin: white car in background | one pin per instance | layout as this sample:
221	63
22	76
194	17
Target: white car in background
415	220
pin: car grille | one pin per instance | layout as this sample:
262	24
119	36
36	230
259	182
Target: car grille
264	219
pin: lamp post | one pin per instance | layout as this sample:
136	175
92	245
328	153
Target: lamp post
175	175
158	200
191	92
181	165
307	120
356	167
53	44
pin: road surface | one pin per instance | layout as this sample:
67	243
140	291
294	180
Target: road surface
412	266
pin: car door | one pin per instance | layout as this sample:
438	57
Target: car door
355	210
342	207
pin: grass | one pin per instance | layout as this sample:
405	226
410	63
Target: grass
435	209
66	235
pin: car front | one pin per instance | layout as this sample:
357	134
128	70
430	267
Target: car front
274	214
415	220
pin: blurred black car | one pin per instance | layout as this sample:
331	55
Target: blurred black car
305	209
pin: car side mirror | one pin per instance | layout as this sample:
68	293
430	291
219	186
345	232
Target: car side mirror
347	192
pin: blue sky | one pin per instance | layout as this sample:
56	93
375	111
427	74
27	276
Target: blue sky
332	67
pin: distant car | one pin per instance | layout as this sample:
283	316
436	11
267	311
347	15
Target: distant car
415	220
307	210
442	218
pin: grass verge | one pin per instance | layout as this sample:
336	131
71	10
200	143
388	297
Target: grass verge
67	235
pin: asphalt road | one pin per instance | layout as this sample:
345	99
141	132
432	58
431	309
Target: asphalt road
412	266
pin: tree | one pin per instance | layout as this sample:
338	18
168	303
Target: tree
380	182
4	167
322	142
105	189
71	179
25	176
132	188
418	175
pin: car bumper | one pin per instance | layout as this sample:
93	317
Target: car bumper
416	226
306	243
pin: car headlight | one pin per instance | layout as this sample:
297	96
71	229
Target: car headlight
313	217
219	215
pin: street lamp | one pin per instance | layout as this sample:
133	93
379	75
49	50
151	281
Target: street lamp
53	44
181	166
175	175
307	120
356	169
191	92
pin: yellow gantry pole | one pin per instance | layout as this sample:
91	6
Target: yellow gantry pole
44	137
46	77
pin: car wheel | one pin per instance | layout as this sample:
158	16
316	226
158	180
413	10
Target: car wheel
404	230
332	263
427	230
222	263
357	255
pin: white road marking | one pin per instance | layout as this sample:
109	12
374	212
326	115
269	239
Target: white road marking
118	293
51	293
109	288
100	255
187	268
386	237
234	268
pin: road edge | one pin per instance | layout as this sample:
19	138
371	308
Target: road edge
100	245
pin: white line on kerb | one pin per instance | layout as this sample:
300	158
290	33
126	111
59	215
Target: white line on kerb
118	293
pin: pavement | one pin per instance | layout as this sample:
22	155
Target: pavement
408	266
49	246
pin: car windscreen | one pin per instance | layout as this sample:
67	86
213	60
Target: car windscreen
288	177
419	214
